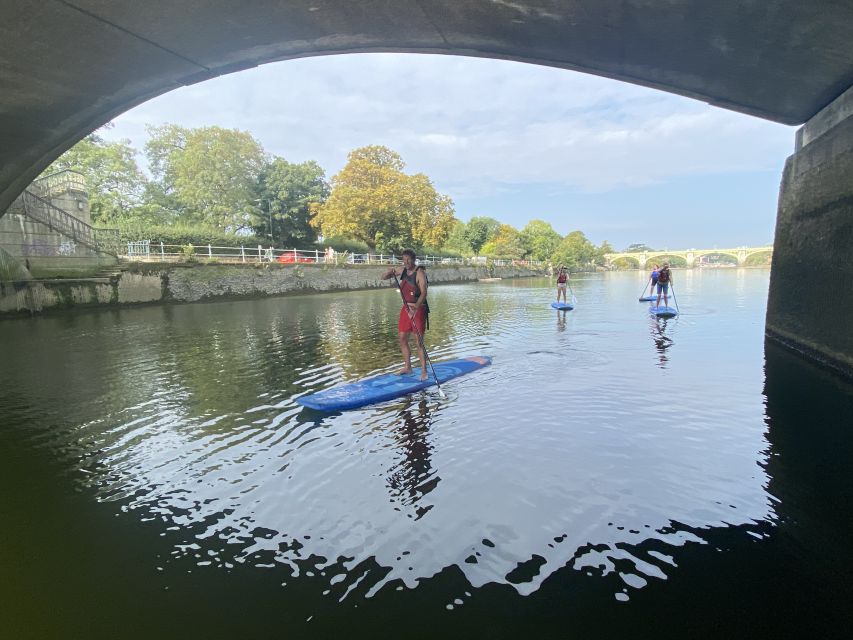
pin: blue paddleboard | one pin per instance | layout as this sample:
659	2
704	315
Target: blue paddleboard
664	312
388	386
562	306
648	299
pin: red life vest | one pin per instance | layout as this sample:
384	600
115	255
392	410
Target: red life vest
663	276
562	277
411	290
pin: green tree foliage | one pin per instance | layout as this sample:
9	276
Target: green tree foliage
540	240
479	231
372	200
456	242
290	194
210	172
601	251
115	183
637	247
575	251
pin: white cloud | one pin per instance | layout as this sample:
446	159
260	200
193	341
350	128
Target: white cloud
476	127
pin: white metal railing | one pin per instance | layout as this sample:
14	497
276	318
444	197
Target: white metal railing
147	251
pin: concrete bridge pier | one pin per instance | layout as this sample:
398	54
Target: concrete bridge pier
741	258
810	306
691	259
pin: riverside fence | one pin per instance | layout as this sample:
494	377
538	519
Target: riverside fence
147	251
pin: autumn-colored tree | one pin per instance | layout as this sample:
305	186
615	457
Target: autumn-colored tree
210	171
372	200
507	243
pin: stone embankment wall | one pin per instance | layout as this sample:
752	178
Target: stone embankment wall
194	283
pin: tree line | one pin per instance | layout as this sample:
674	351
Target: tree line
221	181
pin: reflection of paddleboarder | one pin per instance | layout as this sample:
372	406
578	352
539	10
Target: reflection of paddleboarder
413	476
415	312
562	283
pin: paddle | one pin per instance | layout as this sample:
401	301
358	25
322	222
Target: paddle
574	300
418	334
674	299
643	294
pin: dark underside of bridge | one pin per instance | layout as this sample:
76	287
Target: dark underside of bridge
69	66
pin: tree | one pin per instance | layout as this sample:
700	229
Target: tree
114	181
637	247
508	242
479	231
211	172
601	251
575	250
372	200
540	240
456	241
290	193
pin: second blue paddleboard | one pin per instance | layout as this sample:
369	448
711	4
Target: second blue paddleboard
562	306
389	386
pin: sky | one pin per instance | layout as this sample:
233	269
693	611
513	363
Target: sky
513	141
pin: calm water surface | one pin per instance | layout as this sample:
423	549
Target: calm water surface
610	475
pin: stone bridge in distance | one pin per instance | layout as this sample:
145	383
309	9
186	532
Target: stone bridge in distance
689	255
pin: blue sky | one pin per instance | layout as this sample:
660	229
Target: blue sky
513	141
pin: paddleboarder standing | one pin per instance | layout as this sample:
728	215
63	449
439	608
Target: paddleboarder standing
562	281
664	278
414	313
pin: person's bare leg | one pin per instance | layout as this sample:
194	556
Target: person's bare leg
407	353
422	358
657	304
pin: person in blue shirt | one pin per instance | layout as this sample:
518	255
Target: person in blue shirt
654	277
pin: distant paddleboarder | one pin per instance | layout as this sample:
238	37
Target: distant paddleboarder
414	315
562	283
654	277
664	278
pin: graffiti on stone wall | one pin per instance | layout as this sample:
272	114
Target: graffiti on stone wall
39	248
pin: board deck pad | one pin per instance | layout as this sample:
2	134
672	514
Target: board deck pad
664	312
562	306
388	386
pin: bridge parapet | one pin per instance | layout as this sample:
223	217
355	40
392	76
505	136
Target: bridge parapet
690	256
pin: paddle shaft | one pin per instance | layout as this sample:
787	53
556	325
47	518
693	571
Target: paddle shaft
674	299
417	333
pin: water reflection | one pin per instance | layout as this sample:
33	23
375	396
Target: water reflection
412	477
659	331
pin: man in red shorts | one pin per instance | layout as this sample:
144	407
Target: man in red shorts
413	314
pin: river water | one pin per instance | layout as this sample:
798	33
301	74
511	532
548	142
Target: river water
610	475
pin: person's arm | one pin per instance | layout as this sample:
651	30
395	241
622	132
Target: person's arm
388	274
